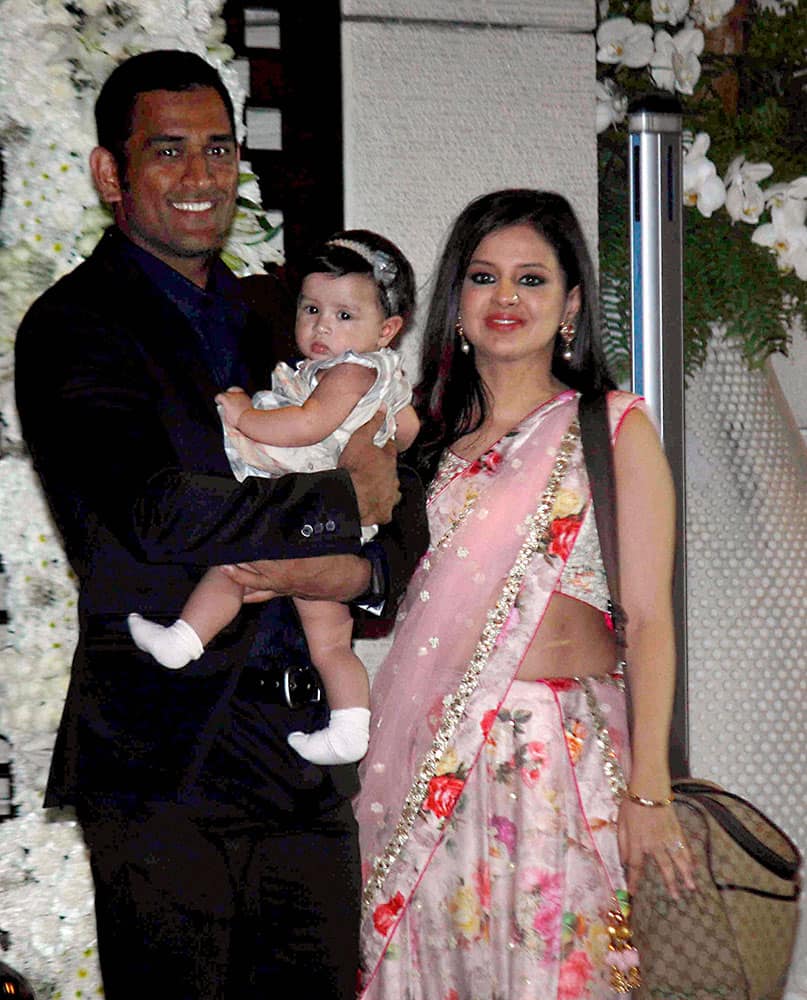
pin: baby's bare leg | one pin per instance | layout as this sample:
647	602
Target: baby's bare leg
213	603
328	629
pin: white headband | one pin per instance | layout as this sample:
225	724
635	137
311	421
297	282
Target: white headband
385	270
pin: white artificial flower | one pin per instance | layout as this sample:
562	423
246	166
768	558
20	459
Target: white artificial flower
50	220
786	236
709	13
252	241
623	42
94	220
669	11
702	186
94	8
745	201
675	64
779	7
612	105
778	195
25	272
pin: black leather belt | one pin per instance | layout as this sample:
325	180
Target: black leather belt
294	687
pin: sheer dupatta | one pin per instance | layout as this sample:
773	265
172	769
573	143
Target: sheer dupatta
501	529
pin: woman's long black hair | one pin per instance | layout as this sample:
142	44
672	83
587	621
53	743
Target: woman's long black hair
451	399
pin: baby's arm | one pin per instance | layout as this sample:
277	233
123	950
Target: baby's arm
338	391
408	427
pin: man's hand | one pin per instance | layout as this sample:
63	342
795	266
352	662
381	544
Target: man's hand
373	472
316	578
233	402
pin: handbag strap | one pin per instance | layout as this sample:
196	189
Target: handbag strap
707	796
598	454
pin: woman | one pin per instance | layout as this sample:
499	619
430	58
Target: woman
495	815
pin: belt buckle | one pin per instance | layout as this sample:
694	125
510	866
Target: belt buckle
291	682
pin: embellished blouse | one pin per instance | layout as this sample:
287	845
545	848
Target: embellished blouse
583	576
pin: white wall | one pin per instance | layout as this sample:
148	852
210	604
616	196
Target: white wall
436	113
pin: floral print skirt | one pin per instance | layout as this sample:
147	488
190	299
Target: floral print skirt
513	905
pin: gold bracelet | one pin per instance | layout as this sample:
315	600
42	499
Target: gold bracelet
648	803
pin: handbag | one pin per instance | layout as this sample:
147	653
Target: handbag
732	938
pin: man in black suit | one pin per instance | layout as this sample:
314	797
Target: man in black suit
224	864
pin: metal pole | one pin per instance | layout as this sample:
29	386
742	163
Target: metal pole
656	235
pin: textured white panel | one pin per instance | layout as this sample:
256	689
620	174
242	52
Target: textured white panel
435	116
747	551
261	28
264	128
241	67
792	375
564	14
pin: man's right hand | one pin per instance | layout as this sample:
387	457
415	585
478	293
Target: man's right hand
373	472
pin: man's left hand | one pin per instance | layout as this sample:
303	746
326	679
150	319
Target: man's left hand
316	578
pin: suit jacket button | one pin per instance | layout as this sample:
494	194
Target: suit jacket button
306	531
330	526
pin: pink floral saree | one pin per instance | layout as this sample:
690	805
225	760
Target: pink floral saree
488	807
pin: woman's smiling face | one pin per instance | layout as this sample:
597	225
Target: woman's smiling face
514	298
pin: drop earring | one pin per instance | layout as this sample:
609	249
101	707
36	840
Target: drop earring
465	347
567	336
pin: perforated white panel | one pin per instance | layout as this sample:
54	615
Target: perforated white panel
747	551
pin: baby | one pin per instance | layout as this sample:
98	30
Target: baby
357	296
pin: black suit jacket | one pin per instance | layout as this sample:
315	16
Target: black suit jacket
117	410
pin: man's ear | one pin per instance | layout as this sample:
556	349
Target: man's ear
390	329
104	169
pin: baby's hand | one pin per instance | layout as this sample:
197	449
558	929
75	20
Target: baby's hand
233	402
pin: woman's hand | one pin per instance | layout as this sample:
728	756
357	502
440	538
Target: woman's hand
647	835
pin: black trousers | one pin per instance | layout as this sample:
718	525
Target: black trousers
190	910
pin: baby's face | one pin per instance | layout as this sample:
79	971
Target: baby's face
335	315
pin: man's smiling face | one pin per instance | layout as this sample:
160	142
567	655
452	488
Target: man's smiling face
177	198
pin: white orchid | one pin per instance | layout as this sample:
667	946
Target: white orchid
777	194
709	13
669	11
612	105
621	41
675	64
786	236
745	201
702	186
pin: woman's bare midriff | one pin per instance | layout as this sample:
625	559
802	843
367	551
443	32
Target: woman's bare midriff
572	641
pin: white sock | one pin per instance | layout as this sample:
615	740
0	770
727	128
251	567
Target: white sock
343	740
173	645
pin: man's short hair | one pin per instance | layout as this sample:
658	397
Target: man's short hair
162	69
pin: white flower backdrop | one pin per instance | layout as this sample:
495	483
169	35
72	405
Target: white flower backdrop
53	57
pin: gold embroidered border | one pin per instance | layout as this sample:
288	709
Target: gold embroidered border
471	497
536	541
610	761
